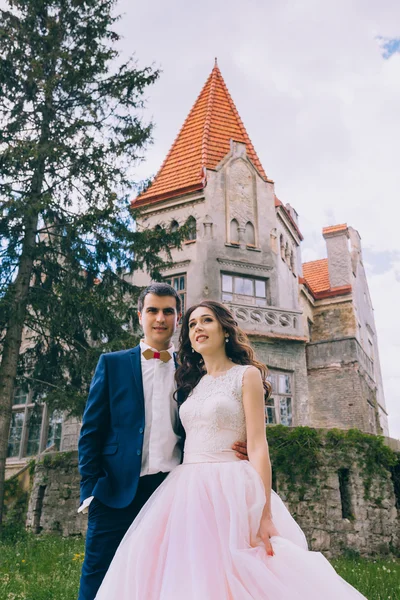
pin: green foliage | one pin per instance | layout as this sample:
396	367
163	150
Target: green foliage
370	452
295	454
301	455
15	506
59	460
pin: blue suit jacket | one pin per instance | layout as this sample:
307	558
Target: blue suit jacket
111	439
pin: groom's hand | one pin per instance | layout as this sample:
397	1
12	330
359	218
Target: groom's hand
241	450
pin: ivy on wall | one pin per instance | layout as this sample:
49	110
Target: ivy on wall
302	456
296	455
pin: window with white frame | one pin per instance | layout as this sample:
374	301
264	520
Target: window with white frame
33	428
178	282
244	290
279	406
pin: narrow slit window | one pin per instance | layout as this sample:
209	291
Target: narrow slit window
345	494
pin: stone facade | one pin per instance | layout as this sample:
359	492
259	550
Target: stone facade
54	498
342	353
373	527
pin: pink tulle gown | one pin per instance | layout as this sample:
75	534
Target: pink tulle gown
196	538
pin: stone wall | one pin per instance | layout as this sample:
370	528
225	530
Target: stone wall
340	386
333	319
54	498
371	524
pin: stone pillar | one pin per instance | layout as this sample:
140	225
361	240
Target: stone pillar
339	260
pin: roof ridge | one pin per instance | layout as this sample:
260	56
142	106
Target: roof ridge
259	167
172	147
207	121
308	262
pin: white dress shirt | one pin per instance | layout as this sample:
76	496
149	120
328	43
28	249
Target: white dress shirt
161	450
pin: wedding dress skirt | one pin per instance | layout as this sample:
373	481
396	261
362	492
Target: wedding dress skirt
197	536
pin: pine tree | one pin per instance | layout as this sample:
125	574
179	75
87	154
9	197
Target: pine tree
71	127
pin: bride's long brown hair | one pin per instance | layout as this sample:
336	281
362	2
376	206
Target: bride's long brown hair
238	349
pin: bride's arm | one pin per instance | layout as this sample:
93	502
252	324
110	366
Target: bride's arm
257	446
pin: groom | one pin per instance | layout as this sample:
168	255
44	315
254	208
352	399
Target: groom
131	436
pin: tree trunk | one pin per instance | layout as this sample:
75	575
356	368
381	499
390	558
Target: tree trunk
12	342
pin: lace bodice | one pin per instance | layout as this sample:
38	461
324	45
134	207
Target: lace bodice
213	414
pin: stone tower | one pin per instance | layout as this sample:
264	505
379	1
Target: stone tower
344	374
246	251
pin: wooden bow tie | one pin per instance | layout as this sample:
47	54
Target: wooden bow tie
163	355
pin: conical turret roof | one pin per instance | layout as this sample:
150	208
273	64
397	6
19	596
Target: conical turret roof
201	144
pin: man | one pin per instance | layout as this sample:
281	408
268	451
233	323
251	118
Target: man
131	436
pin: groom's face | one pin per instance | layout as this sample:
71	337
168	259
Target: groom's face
159	319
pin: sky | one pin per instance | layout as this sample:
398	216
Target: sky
317	85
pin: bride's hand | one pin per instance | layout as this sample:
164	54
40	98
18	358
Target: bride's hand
267	530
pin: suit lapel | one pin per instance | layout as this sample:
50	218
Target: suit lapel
135	357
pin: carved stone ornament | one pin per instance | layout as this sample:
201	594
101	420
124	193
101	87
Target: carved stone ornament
241	193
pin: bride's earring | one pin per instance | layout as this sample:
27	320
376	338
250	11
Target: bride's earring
226	339
193	350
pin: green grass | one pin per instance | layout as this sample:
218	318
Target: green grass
43	567
377	579
47	567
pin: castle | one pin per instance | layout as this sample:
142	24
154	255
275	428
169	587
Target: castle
312	324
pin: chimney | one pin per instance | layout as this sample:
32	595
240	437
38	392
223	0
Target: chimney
339	260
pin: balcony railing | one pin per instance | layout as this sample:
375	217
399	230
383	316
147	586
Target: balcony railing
267	319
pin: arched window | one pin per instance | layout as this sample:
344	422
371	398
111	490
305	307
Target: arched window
234	232
250	234
193	230
174	226
282	246
158	227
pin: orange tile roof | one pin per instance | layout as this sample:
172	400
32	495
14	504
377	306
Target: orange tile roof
201	144
316	277
334	229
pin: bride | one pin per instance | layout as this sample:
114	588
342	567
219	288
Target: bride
214	529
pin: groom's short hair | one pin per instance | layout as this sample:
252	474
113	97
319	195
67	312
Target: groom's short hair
159	289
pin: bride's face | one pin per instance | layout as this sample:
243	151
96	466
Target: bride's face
205	331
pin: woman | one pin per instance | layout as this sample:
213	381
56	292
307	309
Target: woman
214	530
